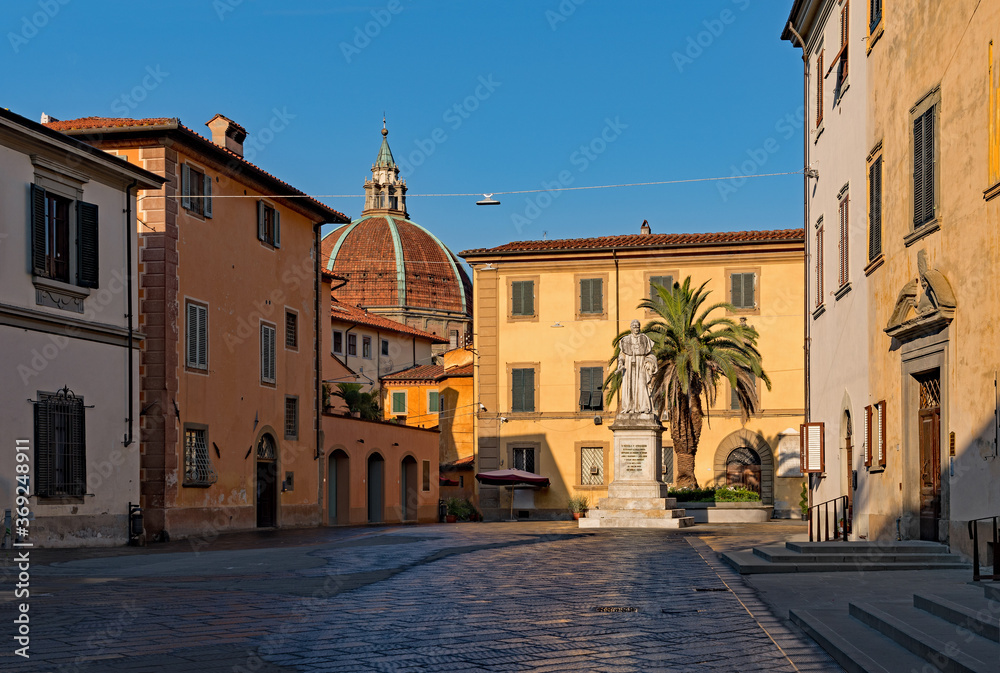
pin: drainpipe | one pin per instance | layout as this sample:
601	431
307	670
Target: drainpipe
318	347
128	283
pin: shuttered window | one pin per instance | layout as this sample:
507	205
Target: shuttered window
811	449
844	249
267	362
923	168
399	402
591	295
878	432
291	417
663	281
433	402
875	209
291	330
198	470
819	89
868	436
523	390
742	291
874	14
268	224
734	398
819	267
60	445
196	339
591	382
522	298
196	191
52	233
844	35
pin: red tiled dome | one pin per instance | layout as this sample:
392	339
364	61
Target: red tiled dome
390	261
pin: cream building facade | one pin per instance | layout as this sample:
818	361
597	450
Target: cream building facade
546	313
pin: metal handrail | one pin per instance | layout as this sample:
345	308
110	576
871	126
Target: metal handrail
974	534
826	520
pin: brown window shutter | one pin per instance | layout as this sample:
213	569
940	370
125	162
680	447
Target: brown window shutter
819	267
875	209
844	249
811	448
819	88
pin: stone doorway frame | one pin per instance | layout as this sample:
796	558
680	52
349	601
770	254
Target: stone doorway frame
740	438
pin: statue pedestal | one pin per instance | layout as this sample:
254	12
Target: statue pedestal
637	498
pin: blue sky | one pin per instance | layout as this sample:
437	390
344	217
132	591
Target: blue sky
479	96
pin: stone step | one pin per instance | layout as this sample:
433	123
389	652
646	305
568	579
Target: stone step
637	503
991	590
779	554
833	547
969	610
857	648
636	522
635	513
748	563
944	645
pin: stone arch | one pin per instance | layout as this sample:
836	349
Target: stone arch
745	438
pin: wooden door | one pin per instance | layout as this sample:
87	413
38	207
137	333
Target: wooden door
930	472
849	518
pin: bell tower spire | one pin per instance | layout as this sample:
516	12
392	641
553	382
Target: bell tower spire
385	192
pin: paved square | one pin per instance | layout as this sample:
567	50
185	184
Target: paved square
460	597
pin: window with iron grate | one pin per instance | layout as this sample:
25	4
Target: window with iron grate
198	470
591	465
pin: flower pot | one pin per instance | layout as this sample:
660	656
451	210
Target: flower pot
576	516
450	518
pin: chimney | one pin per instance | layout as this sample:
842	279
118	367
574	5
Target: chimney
644	229
48	119
227	133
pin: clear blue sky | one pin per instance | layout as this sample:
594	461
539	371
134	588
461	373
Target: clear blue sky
678	90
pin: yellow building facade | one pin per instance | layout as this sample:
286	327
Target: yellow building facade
545	316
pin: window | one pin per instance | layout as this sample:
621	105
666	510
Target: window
663	281
844	273
811	449
841	58
591	296
522	390
875	209
291	417
291	330
198	470
591	465
54	233
352	344
819	265
385	347
453	338
524	458
923	168
433	402
591	383
743	290
399	402
874	14
267	364
366	348
60	445
734	398
268	224
196	326
522	298
196	191
426	485
819	89
875	435
338	342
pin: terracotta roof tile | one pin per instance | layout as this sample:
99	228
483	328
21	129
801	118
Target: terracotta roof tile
417	373
464	370
347	313
108	122
643	241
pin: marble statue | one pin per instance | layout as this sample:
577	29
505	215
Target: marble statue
637	364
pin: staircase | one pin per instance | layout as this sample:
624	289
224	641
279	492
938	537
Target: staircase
804	557
636	512
956	629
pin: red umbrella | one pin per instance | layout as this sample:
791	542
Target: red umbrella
511	478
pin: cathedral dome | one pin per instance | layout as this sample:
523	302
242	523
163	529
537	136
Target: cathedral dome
390	261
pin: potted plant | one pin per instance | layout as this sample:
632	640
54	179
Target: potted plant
454	508
578	505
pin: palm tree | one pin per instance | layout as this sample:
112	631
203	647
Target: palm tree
365	405
693	353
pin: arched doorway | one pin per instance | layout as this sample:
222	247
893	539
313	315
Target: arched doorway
267	482
338	489
376	478
743	469
408	489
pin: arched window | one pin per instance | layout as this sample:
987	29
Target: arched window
743	469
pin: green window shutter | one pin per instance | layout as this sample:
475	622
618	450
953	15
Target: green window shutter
87	233
434	402
749	291
875	209
597	294
277	228
260	221
586	300
76	479
736	283
928	164
39	265
207	208
399	403
529	390
522	297
516	302
185	186
665	282
918	170
517	390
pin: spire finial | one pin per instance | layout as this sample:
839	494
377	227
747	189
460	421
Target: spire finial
385	131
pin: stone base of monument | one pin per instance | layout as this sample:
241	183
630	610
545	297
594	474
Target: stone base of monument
637	498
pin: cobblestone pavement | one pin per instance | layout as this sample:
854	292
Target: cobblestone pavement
460	597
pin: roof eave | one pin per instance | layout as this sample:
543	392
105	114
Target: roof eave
467	254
